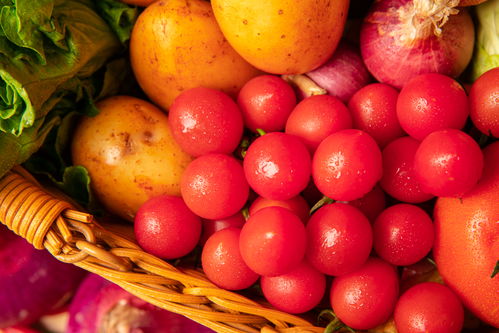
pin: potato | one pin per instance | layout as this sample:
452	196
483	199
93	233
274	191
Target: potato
177	45
282	36
130	154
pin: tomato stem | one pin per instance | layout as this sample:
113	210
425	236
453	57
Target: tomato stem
243	147
245	212
306	85
431	261
335	324
323	201
260	132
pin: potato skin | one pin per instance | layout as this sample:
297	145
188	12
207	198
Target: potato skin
282	36
130	154
177	45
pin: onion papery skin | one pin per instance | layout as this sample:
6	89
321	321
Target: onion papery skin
32	282
101	306
393	56
343	74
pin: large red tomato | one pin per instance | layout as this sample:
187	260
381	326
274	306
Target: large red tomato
467	241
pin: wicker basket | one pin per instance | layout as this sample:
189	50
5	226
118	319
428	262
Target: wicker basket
49	222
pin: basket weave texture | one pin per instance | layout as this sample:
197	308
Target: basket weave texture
72	236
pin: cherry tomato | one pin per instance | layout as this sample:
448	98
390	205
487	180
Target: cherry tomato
448	163
347	165
211	226
205	120
273	241
431	102
297	291
214	187
484	102
315	117
371	204
277	166
166	228
339	239
297	205
222	261
266	102
403	234
365	298
429	307
399	179
374	110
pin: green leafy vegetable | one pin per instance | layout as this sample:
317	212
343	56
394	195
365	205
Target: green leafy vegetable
52	54
486	54
119	16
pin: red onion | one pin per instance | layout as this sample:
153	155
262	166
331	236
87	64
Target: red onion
32	282
400	39
101	306
343	74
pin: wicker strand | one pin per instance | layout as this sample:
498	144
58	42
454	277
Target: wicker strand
72	236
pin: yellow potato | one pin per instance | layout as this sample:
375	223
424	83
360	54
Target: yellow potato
282	36
177	45
130	154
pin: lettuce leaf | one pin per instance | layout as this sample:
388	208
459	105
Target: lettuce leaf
52	55
119	16
486	54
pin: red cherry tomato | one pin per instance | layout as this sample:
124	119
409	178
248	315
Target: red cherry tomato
339	239
431	102
205	120
347	165
214	187
403	234
297	291
273	241
297	205
211	226
374	110
315	117
448	163
165	227
399	179
222	261
371	204
277	166
266	102
484	102
429	307
365	298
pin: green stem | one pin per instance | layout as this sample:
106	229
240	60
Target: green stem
324	201
431	261
261	132
245	212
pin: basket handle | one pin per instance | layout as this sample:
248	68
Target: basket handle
72	236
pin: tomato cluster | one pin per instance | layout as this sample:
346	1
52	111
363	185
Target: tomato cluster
378	161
